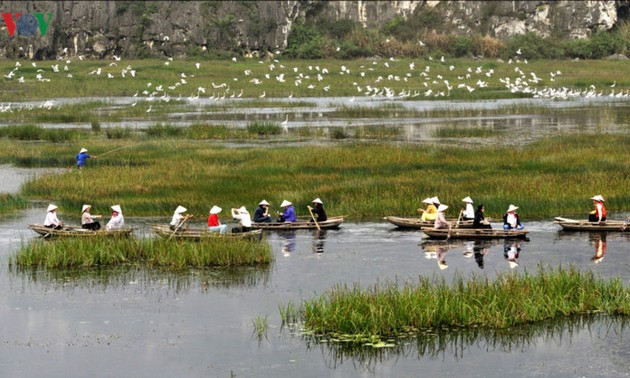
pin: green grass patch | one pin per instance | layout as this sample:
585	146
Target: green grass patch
390	310
157	253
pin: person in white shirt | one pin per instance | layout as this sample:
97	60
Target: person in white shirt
469	211
118	221
245	220
51	218
179	217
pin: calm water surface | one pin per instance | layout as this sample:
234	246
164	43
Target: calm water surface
125	322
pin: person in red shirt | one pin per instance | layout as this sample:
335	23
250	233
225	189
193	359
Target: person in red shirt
213	221
599	214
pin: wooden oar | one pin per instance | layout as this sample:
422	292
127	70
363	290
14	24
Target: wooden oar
178	226
115	149
458	218
314	219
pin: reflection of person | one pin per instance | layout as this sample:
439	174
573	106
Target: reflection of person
469	211
318	240
430	213
511	251
262	212
214	225
289	212
118	221
81	157
245	221
441	257
480	250
288	245
468	249
511	220
599	214
600	248
88	220
440	220
480	220
318	210
51	220
178	217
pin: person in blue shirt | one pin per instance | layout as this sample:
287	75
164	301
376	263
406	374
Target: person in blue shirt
82	156
289	212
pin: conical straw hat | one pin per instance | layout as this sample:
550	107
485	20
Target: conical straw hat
215	210
51	207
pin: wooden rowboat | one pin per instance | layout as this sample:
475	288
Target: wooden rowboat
202	234
585	225
417	224
473	233
332	222
75	231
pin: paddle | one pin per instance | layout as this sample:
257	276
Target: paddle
312	216
178	226
458	218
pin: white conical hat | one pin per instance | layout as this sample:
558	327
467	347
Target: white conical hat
467	200
598	198
285	203
51	207
442	207
263	202
513	264
242	209
427	201
435	200
215	209
317	200
117	209
442	266
85	207
512	208
180	209
83	150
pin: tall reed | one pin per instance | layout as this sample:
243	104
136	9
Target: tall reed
393	310
167	254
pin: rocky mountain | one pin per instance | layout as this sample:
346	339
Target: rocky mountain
99	29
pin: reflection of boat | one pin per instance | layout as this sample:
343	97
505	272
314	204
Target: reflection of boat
202	233
584	225
473	233
332	222
416	223
288	244
319	237
75	231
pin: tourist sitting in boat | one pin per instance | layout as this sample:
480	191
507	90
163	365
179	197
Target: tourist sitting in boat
469	212
214	225
430	213
599	214
179	218
118	221
480	220
88	220
289	212
440	220
245	221
51	218
511	220
262	212
319	214
81	157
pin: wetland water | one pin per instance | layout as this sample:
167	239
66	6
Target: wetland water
129	321
123	322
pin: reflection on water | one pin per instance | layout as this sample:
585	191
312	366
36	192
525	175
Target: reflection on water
288	242
143	279
511	251
438	344
319	239
598	240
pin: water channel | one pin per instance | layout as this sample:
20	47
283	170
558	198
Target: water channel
132	321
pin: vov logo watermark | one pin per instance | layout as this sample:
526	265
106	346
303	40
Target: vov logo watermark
26	25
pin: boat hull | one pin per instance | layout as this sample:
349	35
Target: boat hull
71	231
417	224
473	233
202	234
585	225
331	223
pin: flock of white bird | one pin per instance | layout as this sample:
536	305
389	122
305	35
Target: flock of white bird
419	82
